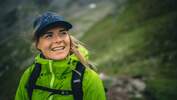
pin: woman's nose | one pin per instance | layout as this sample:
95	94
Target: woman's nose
57	38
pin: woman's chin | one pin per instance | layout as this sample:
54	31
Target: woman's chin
57	57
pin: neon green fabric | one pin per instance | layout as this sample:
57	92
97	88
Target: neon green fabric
57	75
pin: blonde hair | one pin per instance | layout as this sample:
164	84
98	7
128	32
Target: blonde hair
75	43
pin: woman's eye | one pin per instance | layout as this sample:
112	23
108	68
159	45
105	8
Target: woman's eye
63	33
48	36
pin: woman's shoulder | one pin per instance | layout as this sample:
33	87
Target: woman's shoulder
92	81
27	72
90	74
29	68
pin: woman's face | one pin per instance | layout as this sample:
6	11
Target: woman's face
54	44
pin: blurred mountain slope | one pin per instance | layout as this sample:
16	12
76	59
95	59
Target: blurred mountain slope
139	41
136	38
17	18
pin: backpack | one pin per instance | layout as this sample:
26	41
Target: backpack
76	83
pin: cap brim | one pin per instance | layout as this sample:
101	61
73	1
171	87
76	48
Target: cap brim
63	24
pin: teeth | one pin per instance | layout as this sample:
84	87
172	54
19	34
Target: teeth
58	48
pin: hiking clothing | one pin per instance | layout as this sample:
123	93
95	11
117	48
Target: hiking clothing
57	75
47	20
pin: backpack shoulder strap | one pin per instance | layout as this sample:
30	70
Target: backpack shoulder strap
32	79
76	82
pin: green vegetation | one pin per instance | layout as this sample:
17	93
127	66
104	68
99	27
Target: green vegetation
139	41
139	37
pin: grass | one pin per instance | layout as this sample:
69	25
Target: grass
163	89
140	40
135	43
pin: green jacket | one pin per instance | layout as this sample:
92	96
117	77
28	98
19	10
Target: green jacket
57	75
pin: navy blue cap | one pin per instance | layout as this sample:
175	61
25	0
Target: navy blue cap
48	20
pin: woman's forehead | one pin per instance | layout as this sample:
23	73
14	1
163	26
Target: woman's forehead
49	29
56	28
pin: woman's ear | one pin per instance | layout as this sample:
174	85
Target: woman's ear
37	46
73	45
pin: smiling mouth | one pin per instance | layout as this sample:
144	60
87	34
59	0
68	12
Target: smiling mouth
58	48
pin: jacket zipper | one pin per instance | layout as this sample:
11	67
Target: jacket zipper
52	79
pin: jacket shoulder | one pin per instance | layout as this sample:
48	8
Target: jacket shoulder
21	93
26	74
93	86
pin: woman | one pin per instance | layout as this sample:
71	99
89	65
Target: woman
61	71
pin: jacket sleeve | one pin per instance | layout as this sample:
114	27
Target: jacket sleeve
92	86
21	93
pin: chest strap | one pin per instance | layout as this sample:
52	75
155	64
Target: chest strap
76	83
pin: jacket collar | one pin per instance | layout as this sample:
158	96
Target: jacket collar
68	61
